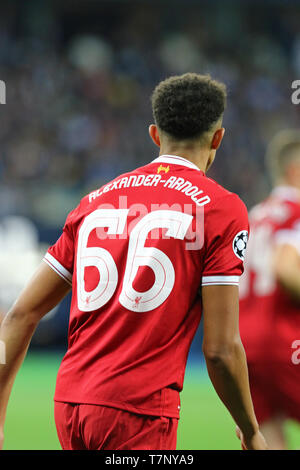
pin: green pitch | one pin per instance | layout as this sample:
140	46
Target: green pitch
204	424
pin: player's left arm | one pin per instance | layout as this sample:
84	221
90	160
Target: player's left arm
43	292
226	239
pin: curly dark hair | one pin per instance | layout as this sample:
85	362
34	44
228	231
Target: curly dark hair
186	106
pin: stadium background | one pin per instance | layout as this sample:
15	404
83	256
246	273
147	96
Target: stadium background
79	75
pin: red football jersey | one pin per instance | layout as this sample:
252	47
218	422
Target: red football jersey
136	253
269	317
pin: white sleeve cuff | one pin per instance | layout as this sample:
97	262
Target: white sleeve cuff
58	268
220	280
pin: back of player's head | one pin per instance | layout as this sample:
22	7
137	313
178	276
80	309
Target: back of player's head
186	106
283	149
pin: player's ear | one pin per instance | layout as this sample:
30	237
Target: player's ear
217	138
153	132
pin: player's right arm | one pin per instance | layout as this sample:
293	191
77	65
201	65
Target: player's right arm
226	360
43	292
48	286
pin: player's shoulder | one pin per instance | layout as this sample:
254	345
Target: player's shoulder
259	210
292	220
281	211
294	209
223	199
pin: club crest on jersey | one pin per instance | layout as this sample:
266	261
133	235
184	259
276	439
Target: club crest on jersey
137	302
239	244
163	168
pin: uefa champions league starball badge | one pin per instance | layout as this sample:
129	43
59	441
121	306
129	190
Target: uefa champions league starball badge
239	244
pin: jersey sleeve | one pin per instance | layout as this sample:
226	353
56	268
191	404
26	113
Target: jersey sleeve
60	256
226	237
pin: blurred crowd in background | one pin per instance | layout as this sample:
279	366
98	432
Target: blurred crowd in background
79	76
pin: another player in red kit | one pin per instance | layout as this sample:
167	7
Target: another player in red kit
138	253
270	294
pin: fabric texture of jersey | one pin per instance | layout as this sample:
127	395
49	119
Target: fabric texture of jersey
136	253
269	317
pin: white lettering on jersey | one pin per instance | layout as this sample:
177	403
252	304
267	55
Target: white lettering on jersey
133	181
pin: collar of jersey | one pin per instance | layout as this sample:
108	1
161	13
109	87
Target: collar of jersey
288	193
176	160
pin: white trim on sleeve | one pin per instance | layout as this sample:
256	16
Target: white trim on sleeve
58	268
220	280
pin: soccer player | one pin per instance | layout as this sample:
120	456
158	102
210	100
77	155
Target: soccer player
270	294
137	253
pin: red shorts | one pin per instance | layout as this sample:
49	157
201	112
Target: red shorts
275	390
95	427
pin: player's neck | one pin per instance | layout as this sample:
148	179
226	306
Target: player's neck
200	158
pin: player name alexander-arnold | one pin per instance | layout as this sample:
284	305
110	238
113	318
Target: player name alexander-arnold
173	182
